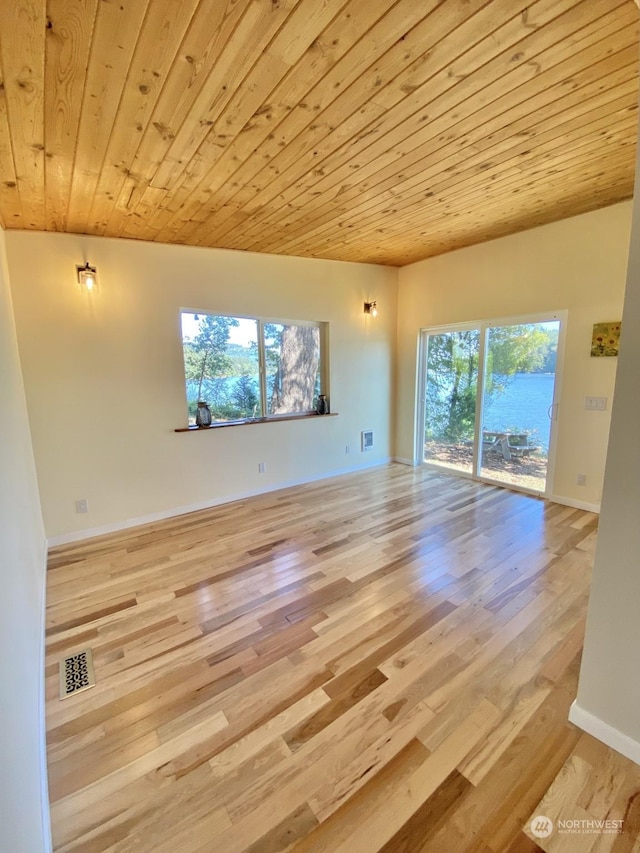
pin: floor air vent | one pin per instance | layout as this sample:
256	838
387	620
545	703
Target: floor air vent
76	674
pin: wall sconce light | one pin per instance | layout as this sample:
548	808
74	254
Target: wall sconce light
371	308
87	278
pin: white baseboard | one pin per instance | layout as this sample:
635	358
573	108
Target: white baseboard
604	732
44	774
89	533
404	461
559	499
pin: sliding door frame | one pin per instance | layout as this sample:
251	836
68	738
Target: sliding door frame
483	327
423	352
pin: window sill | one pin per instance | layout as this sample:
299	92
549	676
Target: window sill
249	421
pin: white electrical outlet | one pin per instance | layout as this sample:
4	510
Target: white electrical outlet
581	479
261	467
82	505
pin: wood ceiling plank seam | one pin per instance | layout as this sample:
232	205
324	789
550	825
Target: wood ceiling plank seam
401	259
301	242
621	132
620	98
116	24
195	128
511	224
343	218
411	164
480	184
509	215
10	202
134	226
330	48
190	70
67	46
244	216
329	216
383	34
392	119
445	209
475	173
250	97
89	197
183	207
401	254
544	32
363	97
24	22
393	180
593	181
483	206
354	71
403	164
459	217
405	254
390	179
625	106
357	102
268	21
127	172
161	35
445	220
590	174
460	226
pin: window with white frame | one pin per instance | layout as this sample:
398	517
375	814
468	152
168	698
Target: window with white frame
249	367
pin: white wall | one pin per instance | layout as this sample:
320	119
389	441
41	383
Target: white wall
608	703
24	815
105	380
578	264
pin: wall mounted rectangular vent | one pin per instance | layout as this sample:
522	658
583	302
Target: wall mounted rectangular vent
367	439
76	674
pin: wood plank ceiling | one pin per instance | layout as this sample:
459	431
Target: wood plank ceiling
363	130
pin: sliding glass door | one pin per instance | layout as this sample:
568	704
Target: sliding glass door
518	403
451	398
489	394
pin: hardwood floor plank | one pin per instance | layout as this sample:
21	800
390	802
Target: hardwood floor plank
406	800
594	784
429	818
59	627
393	680
296	825
341	702
495	811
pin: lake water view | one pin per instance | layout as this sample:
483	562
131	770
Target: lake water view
522	407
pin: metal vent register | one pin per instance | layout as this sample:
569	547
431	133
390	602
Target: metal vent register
76	674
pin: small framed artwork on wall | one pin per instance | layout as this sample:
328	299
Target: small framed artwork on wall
606	339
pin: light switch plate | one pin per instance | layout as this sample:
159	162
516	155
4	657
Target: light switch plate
595	404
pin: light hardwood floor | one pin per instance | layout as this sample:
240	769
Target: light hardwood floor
380	662
595	785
